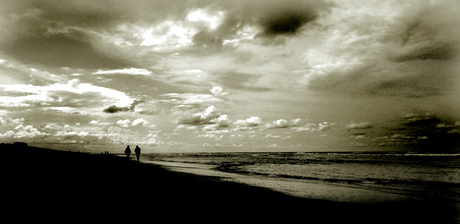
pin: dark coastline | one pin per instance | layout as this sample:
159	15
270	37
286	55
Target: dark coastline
42	185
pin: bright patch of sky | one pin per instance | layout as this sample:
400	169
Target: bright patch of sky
212	19
168	34
129	71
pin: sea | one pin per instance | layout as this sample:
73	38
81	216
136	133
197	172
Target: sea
429	175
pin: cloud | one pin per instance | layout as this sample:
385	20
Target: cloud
99	123
250	122
14	72
71	94
423	132
11	122
223	121
209	115
103	14
81	34
433	51
114	35
209	40
296	122
7	134
360	125
269	18
140	121
186	127
242	81
55	132
79	133
124	123
217	91
323	126
412	51
207	136
190	99
114	109
71	48
415	119
273	136
28	131
287	21
282	123
118	130
215	129
126	71
166	35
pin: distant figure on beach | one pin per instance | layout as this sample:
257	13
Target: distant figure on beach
127	151
138	152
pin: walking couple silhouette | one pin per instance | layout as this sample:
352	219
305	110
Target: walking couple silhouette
137	150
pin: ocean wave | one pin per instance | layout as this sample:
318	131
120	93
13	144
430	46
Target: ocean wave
382	167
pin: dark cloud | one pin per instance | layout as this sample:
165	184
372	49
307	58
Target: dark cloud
426	132
423	38
275	18
286	22
114	109
435	51
418	119
285	17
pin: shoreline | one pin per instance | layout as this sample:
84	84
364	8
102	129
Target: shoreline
219	166
316	189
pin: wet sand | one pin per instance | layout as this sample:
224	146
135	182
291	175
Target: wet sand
40	185
338	192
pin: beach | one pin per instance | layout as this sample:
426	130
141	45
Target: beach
41	185
295	187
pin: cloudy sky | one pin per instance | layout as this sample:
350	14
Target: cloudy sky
261	75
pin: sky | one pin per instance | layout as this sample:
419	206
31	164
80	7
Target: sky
211	75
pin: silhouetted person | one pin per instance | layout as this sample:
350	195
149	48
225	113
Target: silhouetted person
137	150
127	151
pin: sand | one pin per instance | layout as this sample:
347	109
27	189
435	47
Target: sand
295	187
61	187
